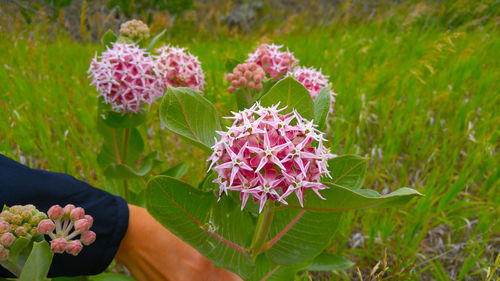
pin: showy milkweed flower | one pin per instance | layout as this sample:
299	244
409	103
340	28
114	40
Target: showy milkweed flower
313	80
246	75
135	30
126	77
274	62
59	227
179	68
269	155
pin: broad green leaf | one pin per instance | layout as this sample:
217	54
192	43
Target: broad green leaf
177	171
267	84
155	40
108	38
340	198
190	115
112	147
347	170
207	183
38	264
292	94
20	250
329	262
321	108
298	236
270	271
244	99
110	277
118	120
231	64
121	171
218	230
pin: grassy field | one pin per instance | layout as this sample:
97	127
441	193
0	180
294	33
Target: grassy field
418	98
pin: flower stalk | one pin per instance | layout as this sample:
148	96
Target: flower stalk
126	139
262	229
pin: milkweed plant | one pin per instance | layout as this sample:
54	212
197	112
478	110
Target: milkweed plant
273	193
24	232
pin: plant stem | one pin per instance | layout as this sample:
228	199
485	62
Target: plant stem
262	229
126	138
10	266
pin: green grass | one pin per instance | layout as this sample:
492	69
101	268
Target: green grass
419	100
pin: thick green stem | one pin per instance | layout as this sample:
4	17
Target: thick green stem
262	229
126	139
10	266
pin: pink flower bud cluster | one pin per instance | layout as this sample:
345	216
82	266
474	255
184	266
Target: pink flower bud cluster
269	155
59	227
126	76
246	75
18	221
135	30
313	80
179	68
274	62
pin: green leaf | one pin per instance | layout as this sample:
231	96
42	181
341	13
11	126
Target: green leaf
269	271
218	230
321	108
108	38
207	183
190	115
38	264
329	262
231	64
291	93
113	146
118	120
110	277
19	251
297	236
155	40
244	99
121	171
177	171
347	170
340	198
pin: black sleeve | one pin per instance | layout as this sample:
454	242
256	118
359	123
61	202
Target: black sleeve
20	185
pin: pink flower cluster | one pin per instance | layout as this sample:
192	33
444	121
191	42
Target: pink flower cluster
179	68
312	79
268	155
63	220
126	76
246	75
18	221
274	62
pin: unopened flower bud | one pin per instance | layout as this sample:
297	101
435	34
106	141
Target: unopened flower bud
242	81
82	226
77	213
35	220
88	237
234	83
265	59
7	239
4	253
16	219
90	219
21	231
58	245
258	86
4	226
229	76
46	226
16	209
251	85
74	247
68	208
237	74
248	74
231	89
55	212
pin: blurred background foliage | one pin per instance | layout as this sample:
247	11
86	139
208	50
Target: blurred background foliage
418	85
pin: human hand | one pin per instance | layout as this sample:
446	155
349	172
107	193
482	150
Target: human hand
151	252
